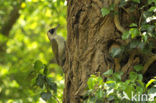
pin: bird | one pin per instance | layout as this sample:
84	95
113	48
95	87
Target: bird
58	45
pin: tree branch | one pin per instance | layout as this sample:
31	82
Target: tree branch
13	16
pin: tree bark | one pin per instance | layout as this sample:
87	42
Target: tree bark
10	21
90	35
14	15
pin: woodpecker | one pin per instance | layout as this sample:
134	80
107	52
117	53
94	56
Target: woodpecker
58	45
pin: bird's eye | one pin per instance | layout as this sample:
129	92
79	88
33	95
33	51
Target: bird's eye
52	31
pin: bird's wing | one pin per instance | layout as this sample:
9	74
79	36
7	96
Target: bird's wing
61	49
55	49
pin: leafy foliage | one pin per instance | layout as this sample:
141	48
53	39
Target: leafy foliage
26	49
116	90
105	11
139	36
43	81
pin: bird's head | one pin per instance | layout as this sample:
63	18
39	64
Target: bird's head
51	33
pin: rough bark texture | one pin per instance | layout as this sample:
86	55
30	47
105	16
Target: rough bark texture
90	36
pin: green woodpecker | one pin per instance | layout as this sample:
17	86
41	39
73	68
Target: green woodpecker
58	46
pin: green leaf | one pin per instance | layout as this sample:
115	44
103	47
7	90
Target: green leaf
105	11
117	76
111	8
125	35
110	82
133	25
134	44
150	82
91	82
100	80
38	65
133	76
138	68
100	93
121	86
52	85
40	80
139	90
129	90
152	9
134	32
115	52
152	91
108	72
140	77
141	84
145	36
151	1
46	95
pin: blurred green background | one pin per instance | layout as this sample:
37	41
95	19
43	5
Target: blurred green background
23	40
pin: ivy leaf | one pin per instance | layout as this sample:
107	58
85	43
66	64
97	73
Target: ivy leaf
133	76
129	90
100	93
52	85
108	72
140	83
117	76
91	82
134	44
134	32
133	25
105	11
139	89
140	77
40	80
46	95
138	68
152	92
144	36
125	35
100	80
115	52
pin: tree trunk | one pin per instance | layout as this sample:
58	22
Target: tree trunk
90	35
7	26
